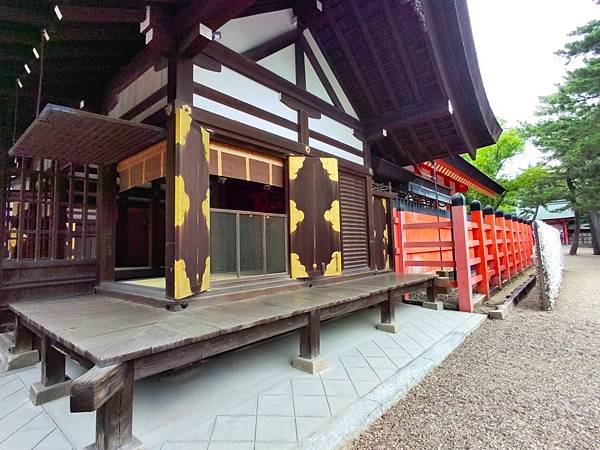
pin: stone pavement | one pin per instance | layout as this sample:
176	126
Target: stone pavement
250	398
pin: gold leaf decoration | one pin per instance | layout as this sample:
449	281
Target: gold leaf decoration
206	208
296	216
297	269
335	265
332	215
384	203
295	163
205	286
182	282
206	143
183	124
182	201
331	166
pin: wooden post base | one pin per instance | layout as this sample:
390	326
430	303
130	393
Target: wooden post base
312	365
437	306
16	350
134	444
388	327
40	394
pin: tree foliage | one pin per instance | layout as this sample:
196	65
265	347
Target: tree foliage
568	129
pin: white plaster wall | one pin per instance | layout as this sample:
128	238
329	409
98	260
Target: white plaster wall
324	147
329	74
282	63
246	33
313	84
242	117
238	86
335	130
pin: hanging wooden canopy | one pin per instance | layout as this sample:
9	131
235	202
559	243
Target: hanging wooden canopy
67	134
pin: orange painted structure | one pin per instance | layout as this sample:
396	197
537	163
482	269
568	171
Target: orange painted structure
483	250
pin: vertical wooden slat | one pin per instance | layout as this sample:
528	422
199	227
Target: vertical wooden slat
354	216
399	241
21	220
84	212
106	222
69	244
55	211
38	212
483	287
488	218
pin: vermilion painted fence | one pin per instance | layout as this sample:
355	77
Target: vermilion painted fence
484	251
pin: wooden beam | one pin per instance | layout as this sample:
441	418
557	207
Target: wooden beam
310	336
321	75
397	144
25	16
419	144
89	14
272	46
412	115
438	139
53	363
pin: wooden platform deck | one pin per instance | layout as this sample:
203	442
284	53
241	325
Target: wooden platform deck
126	340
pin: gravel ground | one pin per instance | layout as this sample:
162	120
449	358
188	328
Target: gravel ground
532	381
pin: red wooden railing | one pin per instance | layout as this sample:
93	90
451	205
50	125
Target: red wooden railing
484	251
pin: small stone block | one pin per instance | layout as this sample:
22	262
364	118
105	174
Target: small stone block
388	327
499	314
13	361
312	366
40	394
134	444
437	306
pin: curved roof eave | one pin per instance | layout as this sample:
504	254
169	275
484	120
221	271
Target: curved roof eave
453	47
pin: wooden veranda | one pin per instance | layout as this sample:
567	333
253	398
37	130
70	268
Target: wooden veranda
123	341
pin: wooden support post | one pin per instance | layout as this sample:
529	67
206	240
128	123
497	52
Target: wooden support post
106	224
488	218
479	233
461	253
432	302
53	382
388	315
187	222
512	247
310	359
399	241
21	353
109	392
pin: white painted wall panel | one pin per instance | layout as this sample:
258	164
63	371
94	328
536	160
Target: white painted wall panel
245	33
335	130
238	86
313	84
242	117
282	63
324	147
329	74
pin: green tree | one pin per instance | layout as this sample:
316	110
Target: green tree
568	130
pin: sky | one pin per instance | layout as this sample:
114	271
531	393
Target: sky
516	41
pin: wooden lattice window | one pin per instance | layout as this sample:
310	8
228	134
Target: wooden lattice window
50	210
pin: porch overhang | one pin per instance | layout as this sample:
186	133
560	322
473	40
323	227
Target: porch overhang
67	134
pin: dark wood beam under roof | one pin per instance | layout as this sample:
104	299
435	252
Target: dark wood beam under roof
87	14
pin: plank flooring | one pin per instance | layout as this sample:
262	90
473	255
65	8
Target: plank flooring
106	330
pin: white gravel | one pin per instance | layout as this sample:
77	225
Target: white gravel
532	381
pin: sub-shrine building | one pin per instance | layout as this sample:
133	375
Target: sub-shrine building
232	152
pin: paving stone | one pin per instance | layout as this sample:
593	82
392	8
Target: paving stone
10	388
234	428
18	418
7	379
275	446
275	405
231	446
354	361
54	441
397	352
284	387
339	403
245	409
308	425
200	432
366	386
384	373
307	387
334	373
339	388
381	363
370	350
311	406
198	445
13	401
385	342
362	374
30	434
275	429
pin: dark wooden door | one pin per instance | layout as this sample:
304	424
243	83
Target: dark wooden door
381	233
314	209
